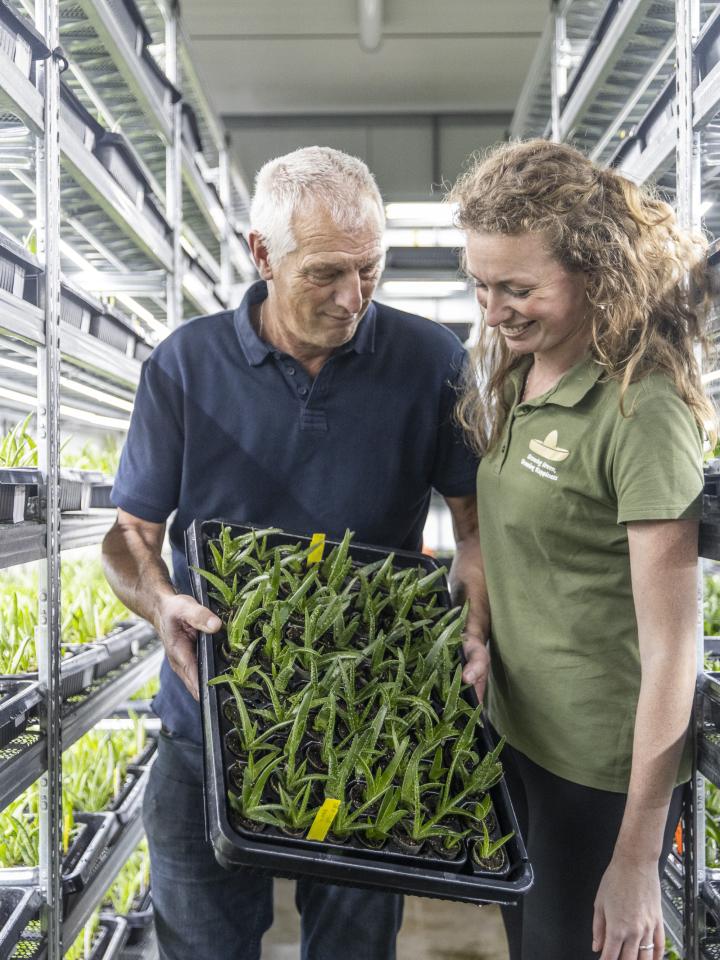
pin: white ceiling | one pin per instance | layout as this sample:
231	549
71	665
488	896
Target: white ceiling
303	56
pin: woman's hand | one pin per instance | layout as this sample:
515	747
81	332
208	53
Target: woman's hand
628	911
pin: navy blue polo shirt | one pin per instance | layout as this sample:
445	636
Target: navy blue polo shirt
225	426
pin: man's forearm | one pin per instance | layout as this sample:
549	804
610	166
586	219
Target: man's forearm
135	569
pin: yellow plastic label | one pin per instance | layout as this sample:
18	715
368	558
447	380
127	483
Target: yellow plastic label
323	819
318	542
67	827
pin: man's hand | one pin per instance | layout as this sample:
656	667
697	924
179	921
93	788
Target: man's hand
478	664
177	619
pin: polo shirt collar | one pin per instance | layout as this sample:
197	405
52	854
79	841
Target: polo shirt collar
568	391
256	349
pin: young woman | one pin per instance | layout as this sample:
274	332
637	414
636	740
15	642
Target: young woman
589	415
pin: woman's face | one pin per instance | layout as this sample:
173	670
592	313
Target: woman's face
537	305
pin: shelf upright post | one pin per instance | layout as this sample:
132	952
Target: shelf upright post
558	67
48	398
225	185
687	29
173	170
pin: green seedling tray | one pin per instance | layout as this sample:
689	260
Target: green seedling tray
332	862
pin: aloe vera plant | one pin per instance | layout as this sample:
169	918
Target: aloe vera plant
345	684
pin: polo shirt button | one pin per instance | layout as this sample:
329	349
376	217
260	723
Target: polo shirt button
291	371
302	391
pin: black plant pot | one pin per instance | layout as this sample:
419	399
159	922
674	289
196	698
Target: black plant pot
403	842
496	864
234	745
245	823
313	755
451	855
235	773
369	843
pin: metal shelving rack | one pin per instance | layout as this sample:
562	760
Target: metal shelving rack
157	260
636	84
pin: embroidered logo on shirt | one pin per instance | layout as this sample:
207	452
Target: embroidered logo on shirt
548	448
542	452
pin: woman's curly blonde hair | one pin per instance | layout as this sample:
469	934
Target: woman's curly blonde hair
627	242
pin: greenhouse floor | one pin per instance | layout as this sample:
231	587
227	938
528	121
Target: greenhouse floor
431	930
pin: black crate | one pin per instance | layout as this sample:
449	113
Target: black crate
166	92
18	905
16	264
98	832
140	918
17	484
335	863
707	50
80	120
72	486
131	23
154	215
121	644
114	331
100	491
190	130
18	707
20	40
74	311
128	804
143	349
77	669
116	154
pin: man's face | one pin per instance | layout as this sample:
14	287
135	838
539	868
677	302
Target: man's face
323	288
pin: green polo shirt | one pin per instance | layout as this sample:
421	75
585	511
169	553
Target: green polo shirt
553	497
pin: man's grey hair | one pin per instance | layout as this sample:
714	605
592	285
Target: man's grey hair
308	178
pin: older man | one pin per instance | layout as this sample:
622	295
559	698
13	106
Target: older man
309	408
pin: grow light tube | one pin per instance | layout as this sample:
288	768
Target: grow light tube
73	385
11	208
73	412
422	214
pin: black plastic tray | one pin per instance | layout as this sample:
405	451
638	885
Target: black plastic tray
190	130
100	829
117	155
18	905
121	644
110	938
22	27
335	863
18	703
16	485
77	670
78	118
140	917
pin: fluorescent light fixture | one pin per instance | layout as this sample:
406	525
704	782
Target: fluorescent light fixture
423	237
705	206
18	397
86	391
710	377
424	214
423	288
73	413
28	370
11	208
96	419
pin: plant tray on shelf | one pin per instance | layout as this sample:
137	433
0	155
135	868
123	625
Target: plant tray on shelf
19	39
17	486
375	728
128	803
78	118
118	157
113	330
140	917
131	23
77	669
142	350
18	905
121	644
166	92
16	264
97	833
110	939
18	707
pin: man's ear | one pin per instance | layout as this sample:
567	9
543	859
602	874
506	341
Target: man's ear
259	252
